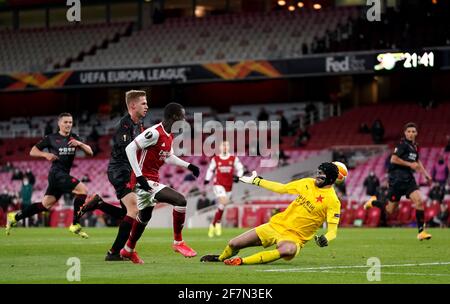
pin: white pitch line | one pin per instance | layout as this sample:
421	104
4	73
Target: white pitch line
352	266
388	273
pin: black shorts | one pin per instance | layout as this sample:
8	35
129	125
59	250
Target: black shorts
399	187
60	183
120	179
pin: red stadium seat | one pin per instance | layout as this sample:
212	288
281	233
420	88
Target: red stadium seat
359	216
405	213
431	211
61	218
372	217
232	216
346	218
2	218
250	217
393	219
265	214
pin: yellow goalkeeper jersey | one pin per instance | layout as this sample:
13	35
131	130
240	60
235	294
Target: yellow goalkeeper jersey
306	214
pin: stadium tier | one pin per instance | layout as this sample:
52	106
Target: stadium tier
273	35
344	130
394	32
40	49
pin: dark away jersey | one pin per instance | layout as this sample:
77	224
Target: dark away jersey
407	151
59	145
126	132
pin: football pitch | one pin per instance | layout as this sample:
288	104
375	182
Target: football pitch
40	255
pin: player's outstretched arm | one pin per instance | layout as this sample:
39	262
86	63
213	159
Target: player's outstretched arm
269	185
36	152
323	240
175	160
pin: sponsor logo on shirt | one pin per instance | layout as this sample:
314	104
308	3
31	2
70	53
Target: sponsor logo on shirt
66	151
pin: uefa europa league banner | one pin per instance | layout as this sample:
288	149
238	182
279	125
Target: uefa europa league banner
313	65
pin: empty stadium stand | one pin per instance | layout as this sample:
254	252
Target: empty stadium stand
41	49
343	130
252	36
398	30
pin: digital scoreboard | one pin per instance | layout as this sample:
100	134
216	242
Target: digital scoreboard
405	61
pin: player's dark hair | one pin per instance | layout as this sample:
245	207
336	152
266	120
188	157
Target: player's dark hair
331	172
410	125
65	114
172	109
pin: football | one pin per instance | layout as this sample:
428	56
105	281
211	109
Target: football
342	172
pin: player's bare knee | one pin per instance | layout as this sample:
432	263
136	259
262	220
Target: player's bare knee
132	211
223	201
48	204
80	189
287	250
234	243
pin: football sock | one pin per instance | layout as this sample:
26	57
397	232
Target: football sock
122	234
420	219
218	215
179	215
114	211
78	201
30	210
262	257
228	252
137	229
383	218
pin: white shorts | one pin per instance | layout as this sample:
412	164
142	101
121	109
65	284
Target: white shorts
219	191
147	198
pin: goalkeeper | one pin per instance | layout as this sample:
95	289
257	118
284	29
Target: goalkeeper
291	229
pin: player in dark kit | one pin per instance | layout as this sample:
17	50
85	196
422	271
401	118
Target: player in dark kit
404	161
119	172
61	148
147	153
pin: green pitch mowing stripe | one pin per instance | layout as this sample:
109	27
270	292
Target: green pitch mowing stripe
39	255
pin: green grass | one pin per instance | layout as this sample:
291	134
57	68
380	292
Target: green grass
39	255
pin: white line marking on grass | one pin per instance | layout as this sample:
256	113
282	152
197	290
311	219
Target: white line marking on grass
391	273
352	266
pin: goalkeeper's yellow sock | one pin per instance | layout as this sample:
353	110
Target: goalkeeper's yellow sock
227	253
262	257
